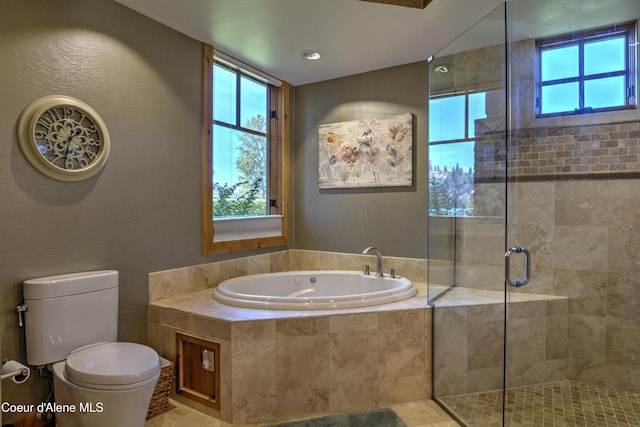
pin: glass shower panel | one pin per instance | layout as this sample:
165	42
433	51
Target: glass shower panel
467	206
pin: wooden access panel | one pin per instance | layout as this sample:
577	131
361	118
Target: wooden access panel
198	369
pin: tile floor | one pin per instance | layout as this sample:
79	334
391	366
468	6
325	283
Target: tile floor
414	414
564	403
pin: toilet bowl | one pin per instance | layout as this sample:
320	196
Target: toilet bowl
71	327
105	385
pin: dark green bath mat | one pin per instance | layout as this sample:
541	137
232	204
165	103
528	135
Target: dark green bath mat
376	418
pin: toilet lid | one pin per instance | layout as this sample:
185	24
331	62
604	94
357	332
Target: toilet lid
115	363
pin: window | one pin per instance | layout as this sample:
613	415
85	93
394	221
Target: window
586	72
239	144
245	137
452	133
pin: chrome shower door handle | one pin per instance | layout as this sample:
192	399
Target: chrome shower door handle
527	266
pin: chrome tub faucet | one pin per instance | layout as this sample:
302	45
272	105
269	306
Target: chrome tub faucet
378	259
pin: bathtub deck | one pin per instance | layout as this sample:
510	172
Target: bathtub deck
201	303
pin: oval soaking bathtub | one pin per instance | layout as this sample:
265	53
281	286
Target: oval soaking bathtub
312	290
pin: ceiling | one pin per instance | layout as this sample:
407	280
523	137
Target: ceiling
353	36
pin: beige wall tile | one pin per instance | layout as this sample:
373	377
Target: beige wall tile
530	309
280	261
587	291
623	377
580	248
520	374
253	376
302	402
485	379
401	352
623	346
353	356
624	245
526	340
253	330
353	322
347	396
484	344
557	337
302	362
404	389
226	381
163	340
302	326
450	342
587	372
451	383
582	202
587	338
402	319
559	306
177	319
169	283
209	327
444	315
259	264
623	299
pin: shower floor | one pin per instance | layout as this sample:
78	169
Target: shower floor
564	403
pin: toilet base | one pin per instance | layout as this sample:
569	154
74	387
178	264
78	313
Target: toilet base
84	407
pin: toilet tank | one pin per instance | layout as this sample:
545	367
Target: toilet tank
69	311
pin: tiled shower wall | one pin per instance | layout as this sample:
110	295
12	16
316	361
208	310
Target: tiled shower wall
574	204
605	148
584	237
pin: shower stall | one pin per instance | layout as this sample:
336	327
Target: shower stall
534	216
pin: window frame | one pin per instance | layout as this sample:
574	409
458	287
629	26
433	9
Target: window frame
628	30
277	165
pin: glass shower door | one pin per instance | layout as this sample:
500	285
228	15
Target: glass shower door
468	221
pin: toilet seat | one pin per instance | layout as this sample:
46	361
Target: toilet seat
115	365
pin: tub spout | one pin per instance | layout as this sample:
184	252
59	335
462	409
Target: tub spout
378	259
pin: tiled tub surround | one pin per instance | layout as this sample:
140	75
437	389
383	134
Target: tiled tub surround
282	364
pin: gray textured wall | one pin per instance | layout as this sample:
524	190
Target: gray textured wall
141	213
347	220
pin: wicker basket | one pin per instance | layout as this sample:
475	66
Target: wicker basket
160	399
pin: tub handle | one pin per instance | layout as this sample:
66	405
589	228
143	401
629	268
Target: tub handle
527	266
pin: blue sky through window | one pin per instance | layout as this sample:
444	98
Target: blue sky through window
253	101
453	118
589	73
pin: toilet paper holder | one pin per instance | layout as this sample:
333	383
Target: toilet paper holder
15	370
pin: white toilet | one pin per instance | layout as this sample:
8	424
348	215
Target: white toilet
71	323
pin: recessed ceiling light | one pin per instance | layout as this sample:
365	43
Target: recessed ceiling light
311	55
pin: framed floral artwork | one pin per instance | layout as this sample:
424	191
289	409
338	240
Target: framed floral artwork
366	153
